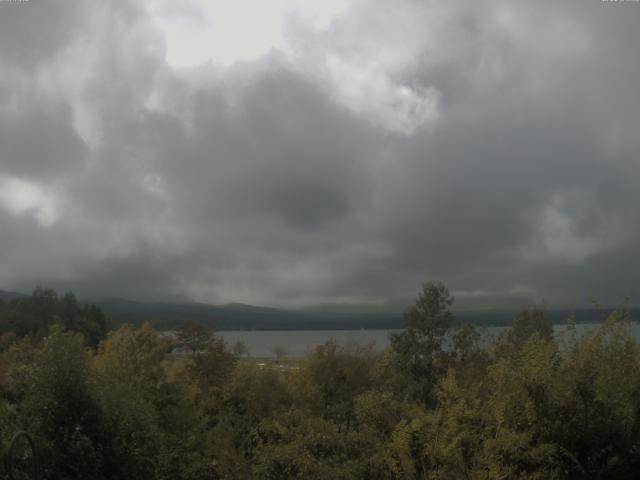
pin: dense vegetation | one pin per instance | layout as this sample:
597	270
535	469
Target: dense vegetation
440	403
33	317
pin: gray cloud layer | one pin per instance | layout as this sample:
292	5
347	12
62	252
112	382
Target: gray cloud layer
492	145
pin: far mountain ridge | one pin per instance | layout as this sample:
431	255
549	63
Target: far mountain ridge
241	316
6	295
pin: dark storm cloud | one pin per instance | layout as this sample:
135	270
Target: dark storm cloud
283	151
491	145
37	138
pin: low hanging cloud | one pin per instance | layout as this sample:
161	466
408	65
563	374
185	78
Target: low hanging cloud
339	152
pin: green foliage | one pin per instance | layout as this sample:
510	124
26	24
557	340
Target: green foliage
527	324
240	349
441	403
280	352
419	348
212	365
298	445
34	316
328	382
48	385
251	395
193	337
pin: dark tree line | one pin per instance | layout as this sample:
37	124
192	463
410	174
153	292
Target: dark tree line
35	315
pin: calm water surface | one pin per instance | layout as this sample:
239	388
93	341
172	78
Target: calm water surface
297	343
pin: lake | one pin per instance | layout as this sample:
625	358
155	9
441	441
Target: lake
297	343
261	343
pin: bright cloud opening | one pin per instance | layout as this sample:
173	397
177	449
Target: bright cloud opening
226	32
20	197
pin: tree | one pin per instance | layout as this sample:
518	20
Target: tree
50	384
213	364
250	395
419	347
527	324
240	349
280	352
88	320
129	373
35	315
194	337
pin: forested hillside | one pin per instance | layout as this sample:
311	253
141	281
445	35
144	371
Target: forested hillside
33	316
247	317
169	316
526	406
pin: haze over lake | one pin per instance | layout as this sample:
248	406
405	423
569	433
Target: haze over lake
261	344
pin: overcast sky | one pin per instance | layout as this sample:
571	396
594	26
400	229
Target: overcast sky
296	152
